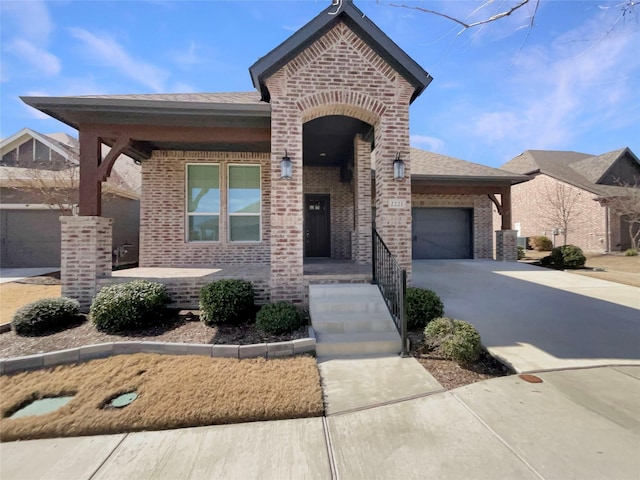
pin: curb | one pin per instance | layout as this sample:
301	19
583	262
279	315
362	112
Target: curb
104	350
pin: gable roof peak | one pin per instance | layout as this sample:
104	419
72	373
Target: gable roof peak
339	11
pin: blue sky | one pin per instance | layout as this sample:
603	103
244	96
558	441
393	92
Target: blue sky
570	83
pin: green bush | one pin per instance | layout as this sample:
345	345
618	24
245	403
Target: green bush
279	317
540	243
45	316
567	256
631	252
129	306
422	307
520	252
456	339
227	301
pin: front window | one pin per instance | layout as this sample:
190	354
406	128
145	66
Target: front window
203	203
245	204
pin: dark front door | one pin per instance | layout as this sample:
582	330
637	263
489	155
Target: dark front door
442	233
317	226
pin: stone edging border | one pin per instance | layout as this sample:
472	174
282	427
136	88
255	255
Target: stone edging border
104	350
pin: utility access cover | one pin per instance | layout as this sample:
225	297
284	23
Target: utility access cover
42	406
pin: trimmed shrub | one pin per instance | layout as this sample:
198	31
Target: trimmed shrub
540	243
279	317
567	256
227	301
422	307
631	252
45	316
520	252
129	306
456	339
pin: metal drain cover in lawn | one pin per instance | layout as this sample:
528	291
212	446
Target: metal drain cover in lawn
123	400
42	406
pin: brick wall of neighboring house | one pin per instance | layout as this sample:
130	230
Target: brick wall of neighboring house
534	212
326	180
162	213
336	75
482	217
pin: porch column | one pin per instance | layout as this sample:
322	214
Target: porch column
362	243
506	245
393	197
85	256
286	202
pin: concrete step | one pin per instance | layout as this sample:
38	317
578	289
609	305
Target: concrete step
335	290
330	322
365	304
355	344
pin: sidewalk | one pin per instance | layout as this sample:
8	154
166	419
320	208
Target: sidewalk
576	424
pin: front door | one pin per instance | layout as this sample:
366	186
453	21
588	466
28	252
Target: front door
317	226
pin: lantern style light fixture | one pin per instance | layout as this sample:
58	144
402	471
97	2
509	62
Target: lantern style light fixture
286	166
398	168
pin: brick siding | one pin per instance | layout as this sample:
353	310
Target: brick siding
163	213
482	217
85	256
337	75
532	210
326	180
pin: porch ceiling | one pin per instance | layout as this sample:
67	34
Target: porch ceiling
328	141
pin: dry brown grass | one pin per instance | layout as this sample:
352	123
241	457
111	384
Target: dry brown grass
174	392
618	267
14	295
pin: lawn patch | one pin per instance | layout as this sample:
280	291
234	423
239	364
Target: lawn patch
172	392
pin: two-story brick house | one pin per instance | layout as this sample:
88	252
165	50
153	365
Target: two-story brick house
260	184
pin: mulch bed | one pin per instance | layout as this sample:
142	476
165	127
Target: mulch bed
449	373
180	327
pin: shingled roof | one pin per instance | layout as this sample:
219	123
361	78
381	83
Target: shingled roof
433	166
582	170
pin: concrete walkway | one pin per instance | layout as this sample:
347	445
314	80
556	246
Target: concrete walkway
575	424
536	318
14	274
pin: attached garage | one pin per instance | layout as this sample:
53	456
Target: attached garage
439	233
30	238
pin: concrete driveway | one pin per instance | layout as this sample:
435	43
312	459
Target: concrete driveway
536	318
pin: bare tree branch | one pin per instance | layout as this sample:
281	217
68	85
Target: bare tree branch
466	25
561	200
627	205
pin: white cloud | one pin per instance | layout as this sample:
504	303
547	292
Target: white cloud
46	63
430	143
189	56
107	51
29	20
562	90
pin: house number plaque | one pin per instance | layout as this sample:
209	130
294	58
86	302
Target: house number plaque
396	203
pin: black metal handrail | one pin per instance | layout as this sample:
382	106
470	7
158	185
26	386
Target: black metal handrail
392	282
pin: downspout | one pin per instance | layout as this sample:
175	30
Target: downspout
607	226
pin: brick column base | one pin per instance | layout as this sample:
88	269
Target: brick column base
85	256
506	245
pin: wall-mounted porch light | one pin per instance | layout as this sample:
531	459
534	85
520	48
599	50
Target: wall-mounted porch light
286	166
398	168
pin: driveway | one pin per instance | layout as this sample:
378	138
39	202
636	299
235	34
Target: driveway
536	318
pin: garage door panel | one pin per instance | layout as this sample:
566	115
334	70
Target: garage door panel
30	238
442	233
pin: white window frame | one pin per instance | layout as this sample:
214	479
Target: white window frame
201	214
229	214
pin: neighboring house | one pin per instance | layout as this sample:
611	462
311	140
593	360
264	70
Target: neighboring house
276	185
39	177
564	193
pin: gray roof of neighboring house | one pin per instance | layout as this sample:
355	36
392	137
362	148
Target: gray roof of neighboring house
220	97
575	168
346	12
433	166
125	174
